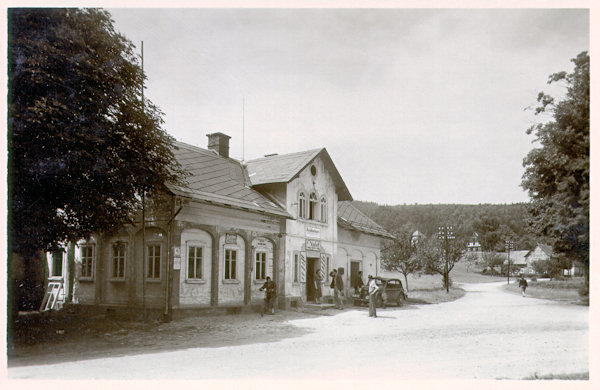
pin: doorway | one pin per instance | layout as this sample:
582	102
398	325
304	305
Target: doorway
312	265
354	268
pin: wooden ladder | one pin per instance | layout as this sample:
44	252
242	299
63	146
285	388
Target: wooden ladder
51	296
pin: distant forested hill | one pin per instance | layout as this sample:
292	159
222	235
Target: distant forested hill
493	222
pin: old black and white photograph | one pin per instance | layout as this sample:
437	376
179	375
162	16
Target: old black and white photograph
298	195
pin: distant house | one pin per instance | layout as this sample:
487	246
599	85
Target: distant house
213	241
417	236
473	245
518	260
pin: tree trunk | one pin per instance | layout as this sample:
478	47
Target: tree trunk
406	282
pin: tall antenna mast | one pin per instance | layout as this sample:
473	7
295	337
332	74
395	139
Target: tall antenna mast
143	211
243	128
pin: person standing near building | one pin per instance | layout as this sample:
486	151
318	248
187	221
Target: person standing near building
373	289
318	292
338	291
523	285
270	289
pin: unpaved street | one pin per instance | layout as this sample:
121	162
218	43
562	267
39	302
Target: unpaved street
487	334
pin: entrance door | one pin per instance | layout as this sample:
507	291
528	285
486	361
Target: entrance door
354	268
312	265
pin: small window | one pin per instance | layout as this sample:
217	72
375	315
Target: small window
313	170
153	270
302	205
57	263
312	206
118	260
296	267
323	209
194	262
87	261
260	266
230	264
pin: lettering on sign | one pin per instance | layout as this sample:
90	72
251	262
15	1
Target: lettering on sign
313	232
230	238
313	245
176	263
261	242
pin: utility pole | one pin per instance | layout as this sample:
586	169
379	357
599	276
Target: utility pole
508	245
445	233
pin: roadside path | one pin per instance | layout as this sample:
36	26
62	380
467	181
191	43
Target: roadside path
487	334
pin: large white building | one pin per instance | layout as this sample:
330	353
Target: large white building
213	241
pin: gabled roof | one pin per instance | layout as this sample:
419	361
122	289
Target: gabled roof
516	257
218	180
547	249
284	168
351	218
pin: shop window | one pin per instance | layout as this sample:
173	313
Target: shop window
153	261
230	264
195	262
260	268
57	263
302	205
119	251
323	209
312	206
87	261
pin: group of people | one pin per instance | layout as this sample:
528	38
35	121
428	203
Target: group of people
337	284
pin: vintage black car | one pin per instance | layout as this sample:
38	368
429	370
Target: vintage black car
390	292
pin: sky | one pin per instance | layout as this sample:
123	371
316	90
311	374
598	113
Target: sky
413	105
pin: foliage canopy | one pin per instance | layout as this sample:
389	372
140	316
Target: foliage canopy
83	145
557	173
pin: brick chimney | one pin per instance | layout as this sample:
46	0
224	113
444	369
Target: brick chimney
219	143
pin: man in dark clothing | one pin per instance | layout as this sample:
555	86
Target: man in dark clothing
358	283
338	291
270	292
523	285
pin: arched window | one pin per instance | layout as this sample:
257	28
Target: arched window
302	205
312	206
323	209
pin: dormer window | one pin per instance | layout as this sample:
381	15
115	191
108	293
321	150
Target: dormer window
312	206
302	205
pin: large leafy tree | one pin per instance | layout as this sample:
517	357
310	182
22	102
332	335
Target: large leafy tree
557	172
439	257
83	146
400	255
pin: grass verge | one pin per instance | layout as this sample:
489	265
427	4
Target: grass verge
434	295
555	290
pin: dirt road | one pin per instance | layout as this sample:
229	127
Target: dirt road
486	334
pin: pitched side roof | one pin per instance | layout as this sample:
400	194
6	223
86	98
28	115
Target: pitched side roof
351	218
516	257
214	179
283	168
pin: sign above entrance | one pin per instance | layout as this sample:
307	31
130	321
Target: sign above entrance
313	245
313	232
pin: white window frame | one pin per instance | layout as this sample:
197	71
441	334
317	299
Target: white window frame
202	247
302	204
313	201
323	207
257	265
151	276
87	262
114	274
229	278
